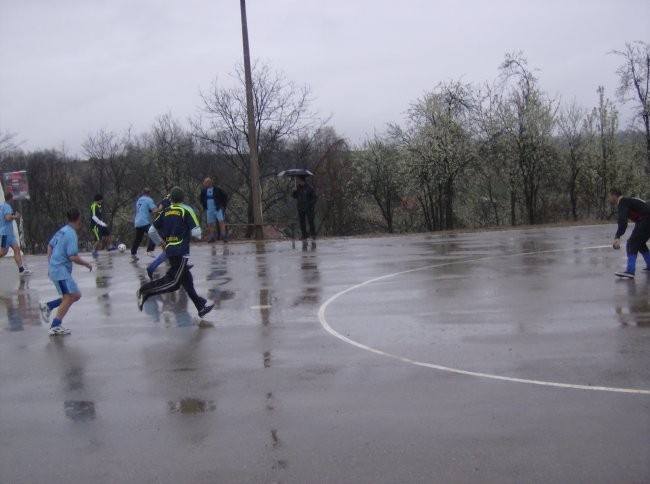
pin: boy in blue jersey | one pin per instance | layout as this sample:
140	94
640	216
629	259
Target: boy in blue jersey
164	203
7	237
62	251
173	229
144	209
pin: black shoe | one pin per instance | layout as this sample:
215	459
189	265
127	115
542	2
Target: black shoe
150	274
625	275
205	310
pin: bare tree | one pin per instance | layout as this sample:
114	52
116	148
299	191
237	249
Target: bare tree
529	120
171	149
572	124
281	113
383	176
603	126
337	182
438	138
7	142
496	169
111	172
634	77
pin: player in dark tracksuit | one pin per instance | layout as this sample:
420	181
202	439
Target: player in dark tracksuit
174	228
98	227
638	211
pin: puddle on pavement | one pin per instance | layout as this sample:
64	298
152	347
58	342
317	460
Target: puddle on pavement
192	406
79	410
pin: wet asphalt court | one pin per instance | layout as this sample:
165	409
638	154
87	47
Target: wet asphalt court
511	356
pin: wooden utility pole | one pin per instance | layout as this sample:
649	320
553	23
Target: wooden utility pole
256	196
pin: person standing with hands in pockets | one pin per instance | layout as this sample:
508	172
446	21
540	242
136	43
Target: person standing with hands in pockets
214	200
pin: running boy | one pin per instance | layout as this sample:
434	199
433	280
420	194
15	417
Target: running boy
173	229
7	237
144	209
98	227
62	251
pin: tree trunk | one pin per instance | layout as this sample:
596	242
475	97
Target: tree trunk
449	205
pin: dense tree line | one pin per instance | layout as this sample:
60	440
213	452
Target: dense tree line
502	153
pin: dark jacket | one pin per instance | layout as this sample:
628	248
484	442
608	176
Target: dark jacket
634	209
218	194
305	196
175	224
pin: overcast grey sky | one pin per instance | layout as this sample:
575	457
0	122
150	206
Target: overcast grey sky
69	68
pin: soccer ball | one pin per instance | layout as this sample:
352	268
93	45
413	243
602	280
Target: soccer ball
121	247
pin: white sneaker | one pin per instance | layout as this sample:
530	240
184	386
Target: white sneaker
58	331
151	254
45	313
25	272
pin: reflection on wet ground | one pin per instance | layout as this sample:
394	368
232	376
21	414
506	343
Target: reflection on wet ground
634	307
192	406
20	307
79	410
266	395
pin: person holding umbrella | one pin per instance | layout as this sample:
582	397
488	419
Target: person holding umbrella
305	196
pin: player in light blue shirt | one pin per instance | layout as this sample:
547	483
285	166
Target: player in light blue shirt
62	251
144	209
7	237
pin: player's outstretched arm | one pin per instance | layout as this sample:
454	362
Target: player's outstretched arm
78	260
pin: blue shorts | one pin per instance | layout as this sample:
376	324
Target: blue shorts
214	215
7	241
65	286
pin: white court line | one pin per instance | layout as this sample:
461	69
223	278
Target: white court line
333	332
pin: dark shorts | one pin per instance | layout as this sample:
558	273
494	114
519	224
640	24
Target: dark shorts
99	232
637	242
7	241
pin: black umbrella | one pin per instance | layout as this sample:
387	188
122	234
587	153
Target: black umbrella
293	172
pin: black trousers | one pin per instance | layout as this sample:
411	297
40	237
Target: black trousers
139	235
178	275
639	237
305	216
